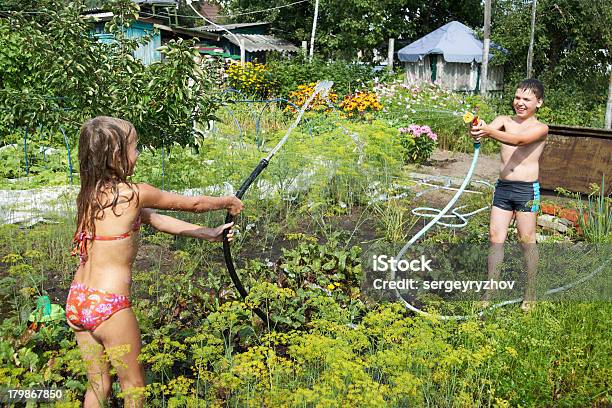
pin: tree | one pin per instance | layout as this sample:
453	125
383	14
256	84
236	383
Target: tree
571	50
345	27
531	38
484	86
72	76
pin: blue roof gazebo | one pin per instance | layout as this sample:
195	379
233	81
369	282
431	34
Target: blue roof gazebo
449	56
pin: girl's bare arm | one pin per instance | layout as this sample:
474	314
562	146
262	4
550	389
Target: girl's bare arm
174	226
151	197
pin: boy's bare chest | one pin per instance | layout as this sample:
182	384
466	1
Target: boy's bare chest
524	154
521	151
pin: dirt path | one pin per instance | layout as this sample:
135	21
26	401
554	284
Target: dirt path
456	165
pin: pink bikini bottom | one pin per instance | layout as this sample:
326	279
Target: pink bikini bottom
88	307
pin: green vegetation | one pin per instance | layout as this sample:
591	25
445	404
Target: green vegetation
327	344
336	193
73	77
594	215
307	233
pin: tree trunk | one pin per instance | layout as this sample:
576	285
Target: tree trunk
485	49
531	39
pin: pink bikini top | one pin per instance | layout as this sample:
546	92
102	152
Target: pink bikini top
81	238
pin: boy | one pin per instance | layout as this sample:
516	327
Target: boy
517	191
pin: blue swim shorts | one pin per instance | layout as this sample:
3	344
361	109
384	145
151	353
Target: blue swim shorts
513	195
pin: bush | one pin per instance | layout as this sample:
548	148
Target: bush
347	77
360	103
438	108
419	142
563	105
253	79
318	104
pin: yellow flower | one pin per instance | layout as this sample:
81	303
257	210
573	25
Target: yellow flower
468	117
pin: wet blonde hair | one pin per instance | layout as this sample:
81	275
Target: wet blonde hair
104	164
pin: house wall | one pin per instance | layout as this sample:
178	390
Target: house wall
147	52
418	71
453	76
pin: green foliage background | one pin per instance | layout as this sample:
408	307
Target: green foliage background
55	73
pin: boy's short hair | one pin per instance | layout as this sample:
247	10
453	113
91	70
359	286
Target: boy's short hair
533	85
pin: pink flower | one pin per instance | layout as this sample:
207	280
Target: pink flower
103	308
417	131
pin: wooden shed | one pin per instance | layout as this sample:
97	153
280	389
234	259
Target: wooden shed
450	57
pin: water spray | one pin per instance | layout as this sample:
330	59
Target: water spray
322	89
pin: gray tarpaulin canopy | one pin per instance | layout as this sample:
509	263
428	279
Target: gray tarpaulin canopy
455	41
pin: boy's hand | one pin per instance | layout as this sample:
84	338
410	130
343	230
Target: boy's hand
234	205
214	234
479	130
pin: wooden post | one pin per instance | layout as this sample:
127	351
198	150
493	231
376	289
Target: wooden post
314	28
608	124
390	54
242	53
531	39
485	48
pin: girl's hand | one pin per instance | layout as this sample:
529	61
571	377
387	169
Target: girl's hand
215	234
234	205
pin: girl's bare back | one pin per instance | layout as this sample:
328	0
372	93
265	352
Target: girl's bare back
109	262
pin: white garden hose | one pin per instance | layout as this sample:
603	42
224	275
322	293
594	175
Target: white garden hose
436	220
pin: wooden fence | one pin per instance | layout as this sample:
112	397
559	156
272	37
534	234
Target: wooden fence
576	157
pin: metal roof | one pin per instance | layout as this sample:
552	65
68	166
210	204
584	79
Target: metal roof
186	31
259	42
158	2
229	27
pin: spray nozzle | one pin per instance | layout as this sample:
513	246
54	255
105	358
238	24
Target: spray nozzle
472	118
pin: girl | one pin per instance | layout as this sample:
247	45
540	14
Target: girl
110	210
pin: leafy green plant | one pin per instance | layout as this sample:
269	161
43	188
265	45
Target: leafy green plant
75	77
419	142
218	354
253	79
439	109
324	265
393	220
594	216
347	77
